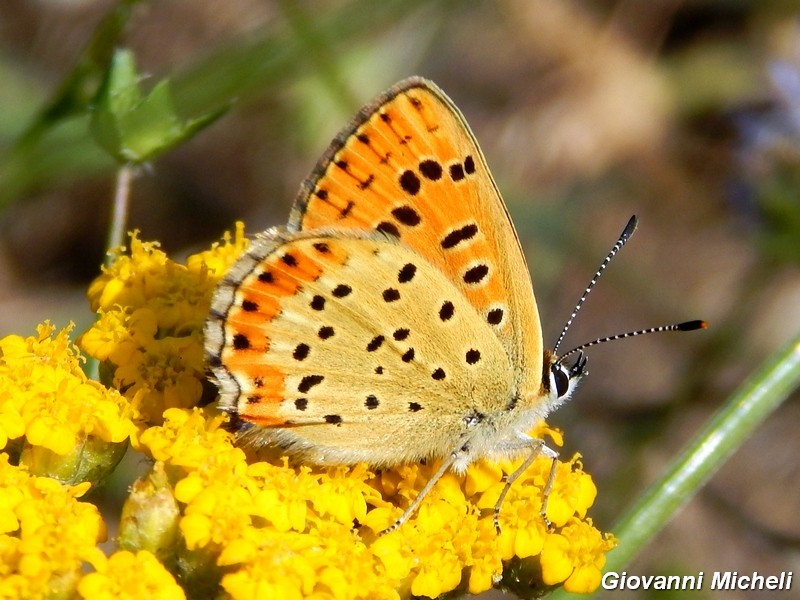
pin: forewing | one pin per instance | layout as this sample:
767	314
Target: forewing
410	167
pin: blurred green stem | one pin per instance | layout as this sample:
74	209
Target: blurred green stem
763	392
119	210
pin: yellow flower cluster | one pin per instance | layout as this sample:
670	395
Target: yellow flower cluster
54	421
48	538
151	311
292	532
60	418
221	522
130	576
46	535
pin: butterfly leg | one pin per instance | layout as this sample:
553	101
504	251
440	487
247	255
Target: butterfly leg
424	491
536	447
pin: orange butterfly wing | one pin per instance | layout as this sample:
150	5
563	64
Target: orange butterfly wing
409	166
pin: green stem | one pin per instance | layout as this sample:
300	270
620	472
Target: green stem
728	429
119	210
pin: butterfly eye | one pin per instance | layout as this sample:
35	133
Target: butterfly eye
563	379
560	377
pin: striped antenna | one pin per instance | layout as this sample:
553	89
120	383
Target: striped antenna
687	326
623	239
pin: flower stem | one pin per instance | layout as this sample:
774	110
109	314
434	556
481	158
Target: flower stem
119	210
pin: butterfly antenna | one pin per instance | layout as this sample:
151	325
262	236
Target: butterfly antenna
623	239
687	326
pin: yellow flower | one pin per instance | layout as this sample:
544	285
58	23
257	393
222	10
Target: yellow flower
131	278
166	372
12	425
151	314
576	555
128	575
221	256
188	439
573	492
344	495
73	428
326	562
46	535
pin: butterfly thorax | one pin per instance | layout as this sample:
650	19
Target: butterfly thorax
505	433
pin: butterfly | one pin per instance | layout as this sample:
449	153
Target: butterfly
393	318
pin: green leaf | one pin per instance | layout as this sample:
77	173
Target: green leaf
134	128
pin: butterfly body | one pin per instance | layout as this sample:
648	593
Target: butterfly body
393	319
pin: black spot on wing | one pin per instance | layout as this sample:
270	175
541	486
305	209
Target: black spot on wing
401	334
318	302
364	185
347	209
375	343
301	352
476	274
410	183
407	216
472	356
469	165
308	382
447	310
407	273
431	169
342	290
462	234
388	228
495	316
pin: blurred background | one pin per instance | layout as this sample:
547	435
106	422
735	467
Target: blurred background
684	113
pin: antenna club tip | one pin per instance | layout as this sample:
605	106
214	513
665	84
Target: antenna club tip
692	325
633	222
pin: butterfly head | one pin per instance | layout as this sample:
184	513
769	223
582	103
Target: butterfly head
560	379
